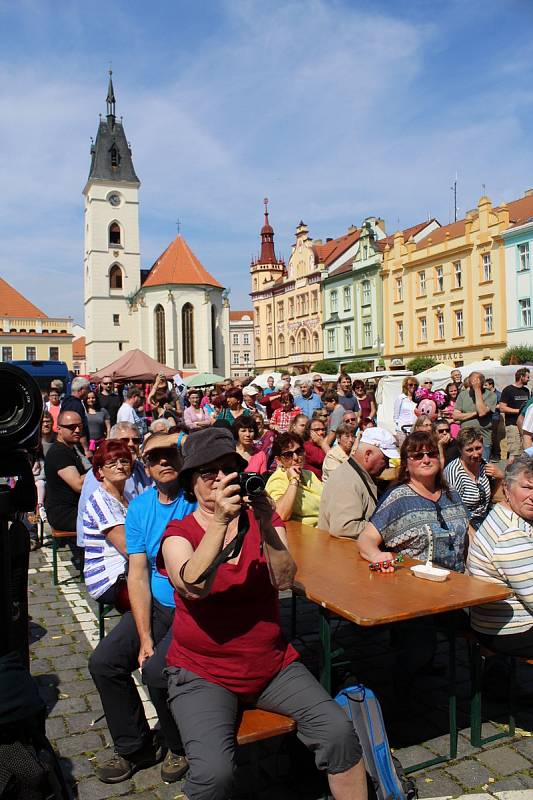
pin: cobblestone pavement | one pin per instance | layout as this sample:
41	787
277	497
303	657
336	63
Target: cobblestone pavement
63	631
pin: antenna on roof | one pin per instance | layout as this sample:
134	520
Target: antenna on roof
178	225
483	189
453	187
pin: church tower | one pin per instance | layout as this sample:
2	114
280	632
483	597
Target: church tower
267	267
111	264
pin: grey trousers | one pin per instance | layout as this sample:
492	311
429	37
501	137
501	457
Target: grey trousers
206	715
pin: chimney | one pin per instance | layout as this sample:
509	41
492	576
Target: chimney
528	193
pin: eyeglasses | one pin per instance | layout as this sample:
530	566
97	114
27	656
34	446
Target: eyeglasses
122	462
208	475
420	455
428	383
292	453
317	380
414	385
443	430
107	384
350	419
134	439
75	426
155	456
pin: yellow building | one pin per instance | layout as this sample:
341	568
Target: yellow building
27	334
286	299
444	295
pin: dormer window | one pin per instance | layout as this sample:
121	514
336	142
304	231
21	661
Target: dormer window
114	234
115	156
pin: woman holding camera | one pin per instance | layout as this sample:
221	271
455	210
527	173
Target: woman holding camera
295	490
227	646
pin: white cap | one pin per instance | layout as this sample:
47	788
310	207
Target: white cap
250	391
381	438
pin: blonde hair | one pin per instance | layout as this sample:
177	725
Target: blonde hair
406	381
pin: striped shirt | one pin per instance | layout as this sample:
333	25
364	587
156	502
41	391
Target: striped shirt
475	494
103	562
502	551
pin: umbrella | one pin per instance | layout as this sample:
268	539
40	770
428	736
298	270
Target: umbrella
204	379
134	366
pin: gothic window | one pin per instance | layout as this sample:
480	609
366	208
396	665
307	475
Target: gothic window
258	348
316	344
303	344
114	233
115	156
281	346
187	334
115	277
269	347
292	346
160	342
214	335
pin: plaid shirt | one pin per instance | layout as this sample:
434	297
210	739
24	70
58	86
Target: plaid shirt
282	419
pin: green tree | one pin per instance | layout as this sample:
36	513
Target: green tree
327	367
357	366
518	354
421	363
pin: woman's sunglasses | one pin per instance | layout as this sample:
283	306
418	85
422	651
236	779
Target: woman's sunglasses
420	455
291	453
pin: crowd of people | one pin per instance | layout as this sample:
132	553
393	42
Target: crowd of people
150	481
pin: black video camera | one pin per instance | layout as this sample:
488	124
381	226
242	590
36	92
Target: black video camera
251	484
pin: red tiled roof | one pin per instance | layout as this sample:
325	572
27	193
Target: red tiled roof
520	211
78	347
13	304
236	316
327	253
451	231
179	265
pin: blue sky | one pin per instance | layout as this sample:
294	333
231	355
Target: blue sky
334	109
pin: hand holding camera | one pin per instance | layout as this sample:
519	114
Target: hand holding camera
228	498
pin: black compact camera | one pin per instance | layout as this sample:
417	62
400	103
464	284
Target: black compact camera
251	484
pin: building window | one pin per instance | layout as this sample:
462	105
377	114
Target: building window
292	346
305	304
120	346
53	353
214	335
246	338
7	354
347	298
236	358
488	318
399	332
314	302
525	313
331	340
439	279
31	354
399	289
333	301
256	311
366	293
235	338
459	325
258	348
304	341
114	234
246	358
116	319
115	277
160	339
115	156
291	307
423	329
487	268
269	313
365	252
367	334
440	325
523	257
458	274
347	337
280	311
281	346
422	282
187	335
269	347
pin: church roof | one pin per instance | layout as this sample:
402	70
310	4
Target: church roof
178	265
13	304
109	166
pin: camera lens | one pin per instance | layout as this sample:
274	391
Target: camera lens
21	408
254	485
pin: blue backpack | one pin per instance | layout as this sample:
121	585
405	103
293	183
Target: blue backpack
385	772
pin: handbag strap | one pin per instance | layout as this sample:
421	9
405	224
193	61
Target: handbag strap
362	475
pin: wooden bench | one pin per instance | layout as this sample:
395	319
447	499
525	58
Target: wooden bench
256	726
57	535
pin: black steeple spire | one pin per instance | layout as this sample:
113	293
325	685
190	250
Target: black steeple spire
110	100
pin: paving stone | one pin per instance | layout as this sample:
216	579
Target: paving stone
413	755
79	743
503	760
56	728
70	705
513	783
41	666
78	687
76	768
80	723
73	661
436	783
469	773
53	651
525	746
148	778
93	789
172	791
525	794
441	746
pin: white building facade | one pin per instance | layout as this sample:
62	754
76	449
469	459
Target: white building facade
241	333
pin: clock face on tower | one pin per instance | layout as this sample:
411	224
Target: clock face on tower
114	199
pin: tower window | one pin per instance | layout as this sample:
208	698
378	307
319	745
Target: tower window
187	333
160	340
116	319
115	156
115	277
114	233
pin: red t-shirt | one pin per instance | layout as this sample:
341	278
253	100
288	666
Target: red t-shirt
233	636
314	458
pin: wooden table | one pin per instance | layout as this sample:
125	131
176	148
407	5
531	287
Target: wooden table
332	574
